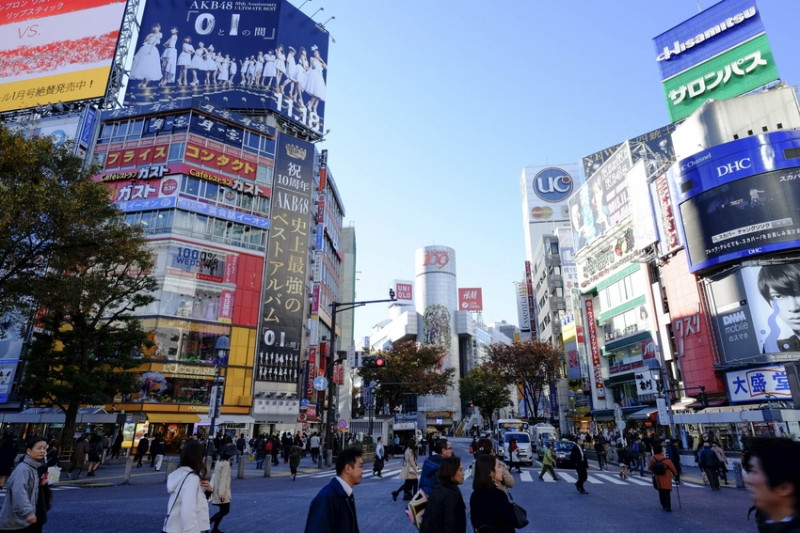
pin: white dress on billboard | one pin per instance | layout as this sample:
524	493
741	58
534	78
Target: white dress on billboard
186	54
316	81
170	57
147	61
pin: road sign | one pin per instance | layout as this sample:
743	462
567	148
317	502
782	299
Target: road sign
342	424
320	383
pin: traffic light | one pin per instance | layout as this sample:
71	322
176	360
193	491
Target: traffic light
373	362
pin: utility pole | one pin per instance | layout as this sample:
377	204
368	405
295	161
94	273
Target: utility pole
331	360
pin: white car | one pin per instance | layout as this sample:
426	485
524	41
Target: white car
523	446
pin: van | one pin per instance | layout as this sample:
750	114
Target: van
540	433
523	445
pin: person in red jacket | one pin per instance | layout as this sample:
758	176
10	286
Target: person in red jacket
663	471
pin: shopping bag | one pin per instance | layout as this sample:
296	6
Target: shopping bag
53	474
416	508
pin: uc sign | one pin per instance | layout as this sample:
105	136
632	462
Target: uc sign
552	184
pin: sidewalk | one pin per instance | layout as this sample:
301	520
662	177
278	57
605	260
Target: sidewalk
113	473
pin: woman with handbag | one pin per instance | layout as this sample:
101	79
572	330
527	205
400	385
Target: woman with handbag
409	473
187	509
445	511
489	507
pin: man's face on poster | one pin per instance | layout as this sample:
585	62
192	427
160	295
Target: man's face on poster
788	308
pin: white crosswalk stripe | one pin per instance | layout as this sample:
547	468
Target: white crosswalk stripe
616	481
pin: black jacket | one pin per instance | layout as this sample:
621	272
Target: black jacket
331	511
445	511
490	507
577	462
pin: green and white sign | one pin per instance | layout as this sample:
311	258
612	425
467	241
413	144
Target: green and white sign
737	71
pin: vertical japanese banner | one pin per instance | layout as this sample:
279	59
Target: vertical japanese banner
595	350
285	272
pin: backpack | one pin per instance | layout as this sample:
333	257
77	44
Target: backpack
659	468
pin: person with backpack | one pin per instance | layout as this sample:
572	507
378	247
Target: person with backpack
663	471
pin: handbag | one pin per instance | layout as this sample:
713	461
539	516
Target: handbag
416	508
520	514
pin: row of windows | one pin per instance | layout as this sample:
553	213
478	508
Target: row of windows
200	226
224	196
141	128
618	292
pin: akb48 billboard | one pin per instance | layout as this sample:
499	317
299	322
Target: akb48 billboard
243	55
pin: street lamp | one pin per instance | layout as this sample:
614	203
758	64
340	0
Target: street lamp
221	350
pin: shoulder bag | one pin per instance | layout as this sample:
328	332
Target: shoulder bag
520	514
166	519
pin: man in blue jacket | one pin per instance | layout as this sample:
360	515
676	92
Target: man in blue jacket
430	468
333	510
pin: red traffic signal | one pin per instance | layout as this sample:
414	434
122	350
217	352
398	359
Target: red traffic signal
373	362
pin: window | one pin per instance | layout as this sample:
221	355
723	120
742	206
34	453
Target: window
176	151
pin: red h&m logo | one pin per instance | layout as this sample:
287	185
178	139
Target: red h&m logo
470	299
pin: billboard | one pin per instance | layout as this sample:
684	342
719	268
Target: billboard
742	69
49	52
602	201
754	311
739	199
285	273
763	383
246	55
655	147
707	34
470	299
547	190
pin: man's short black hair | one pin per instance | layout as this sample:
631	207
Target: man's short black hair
783	279
346	457
440	445
780	461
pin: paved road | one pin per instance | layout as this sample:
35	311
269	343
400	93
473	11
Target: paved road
280	504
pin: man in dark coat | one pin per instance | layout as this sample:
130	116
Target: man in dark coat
709	463
333	510
581	464
141	450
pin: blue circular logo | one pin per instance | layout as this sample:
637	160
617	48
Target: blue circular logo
552	184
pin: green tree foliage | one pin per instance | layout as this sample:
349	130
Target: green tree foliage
411	368
532	365
486	389
64	252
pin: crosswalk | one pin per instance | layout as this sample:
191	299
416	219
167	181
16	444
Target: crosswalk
596	477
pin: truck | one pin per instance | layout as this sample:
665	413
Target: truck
540	433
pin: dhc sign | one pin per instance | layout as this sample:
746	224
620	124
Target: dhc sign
553	185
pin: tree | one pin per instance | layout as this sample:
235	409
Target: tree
486	389
531	364
49	203
411	368
67	254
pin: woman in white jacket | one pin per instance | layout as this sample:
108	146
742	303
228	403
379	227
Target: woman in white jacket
187	510
221	480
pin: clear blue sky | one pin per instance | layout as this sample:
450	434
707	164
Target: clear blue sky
436	106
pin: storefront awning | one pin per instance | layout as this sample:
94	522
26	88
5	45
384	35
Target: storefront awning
629	377
711	403
642	414
626	341
173	418
601	415
54	415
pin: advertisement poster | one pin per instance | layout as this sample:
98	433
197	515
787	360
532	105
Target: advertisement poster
245	55
49	53
285	273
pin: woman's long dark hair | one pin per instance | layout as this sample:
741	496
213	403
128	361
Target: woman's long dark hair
412	444
484	465
192	456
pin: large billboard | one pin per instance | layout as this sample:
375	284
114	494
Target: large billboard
245	55
50	51
719	53
285	290
754	311
654	147
739	199
707	34
547	190
742	69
